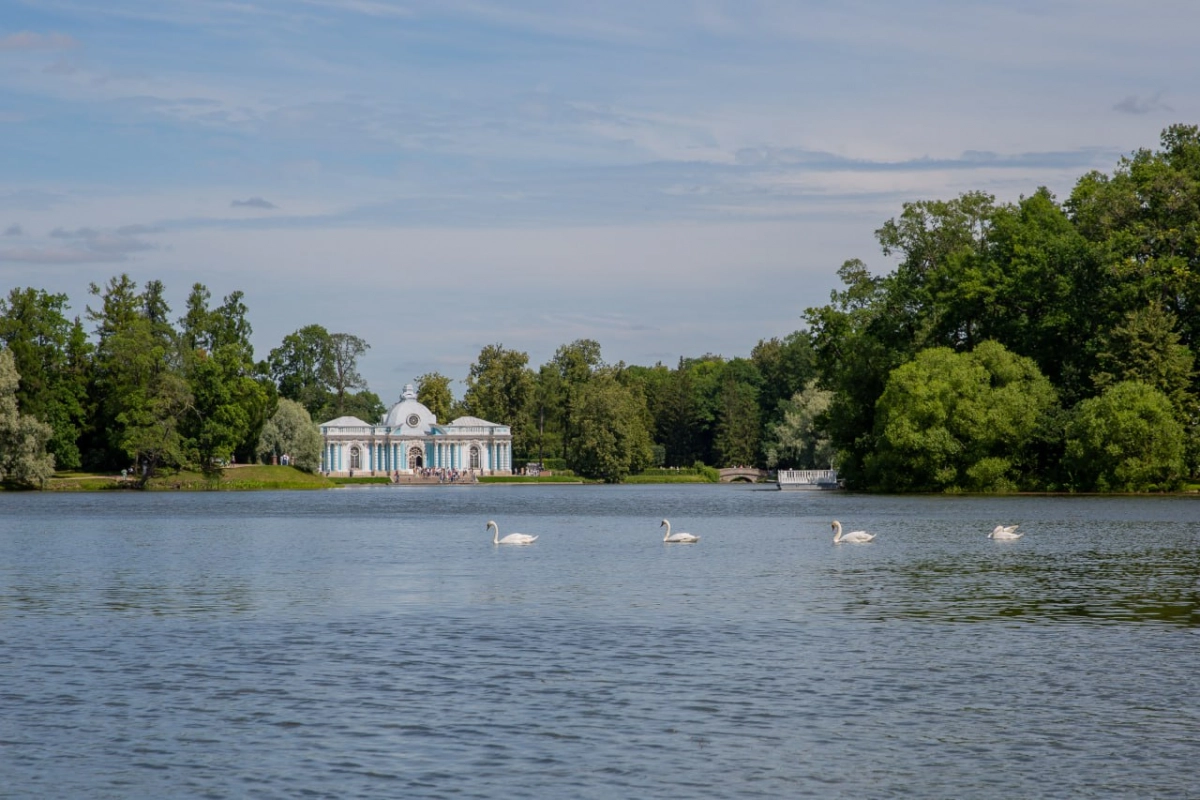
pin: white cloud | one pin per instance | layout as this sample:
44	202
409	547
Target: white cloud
1134	104
253	202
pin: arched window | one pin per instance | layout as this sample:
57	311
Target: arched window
355	458
416	458
474	457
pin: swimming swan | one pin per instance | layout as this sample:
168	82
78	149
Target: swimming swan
1005	532
681	538
512	538
852	536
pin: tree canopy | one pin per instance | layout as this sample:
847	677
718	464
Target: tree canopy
1031	344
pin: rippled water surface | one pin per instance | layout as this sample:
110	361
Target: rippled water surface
374	643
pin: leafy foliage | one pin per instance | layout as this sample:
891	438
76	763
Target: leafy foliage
611	440
291	432
951	420
23	440
1125	440
996	355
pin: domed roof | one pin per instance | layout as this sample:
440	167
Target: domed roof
464	421
408	415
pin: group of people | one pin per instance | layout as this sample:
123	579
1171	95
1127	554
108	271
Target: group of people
442	474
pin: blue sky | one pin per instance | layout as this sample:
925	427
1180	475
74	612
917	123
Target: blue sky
669	178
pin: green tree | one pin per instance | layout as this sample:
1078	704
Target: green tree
858	339
738	425
500	388
678	418
53	358
951	420
785	366
1041	292
433	392
302	368
1146	348
1126	440
291	432
365	405
23	439
345	350
799	439
231	401
1144	221
139	395
611	440
573	366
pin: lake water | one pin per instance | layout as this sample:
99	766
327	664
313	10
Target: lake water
374	643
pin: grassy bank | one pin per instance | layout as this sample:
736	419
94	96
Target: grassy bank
659	478
531	479
245	478
365	481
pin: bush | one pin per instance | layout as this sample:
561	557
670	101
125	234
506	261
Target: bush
1125	440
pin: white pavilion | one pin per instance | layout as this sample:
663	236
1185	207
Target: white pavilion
409	438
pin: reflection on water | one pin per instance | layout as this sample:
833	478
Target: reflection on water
1156	586
375	643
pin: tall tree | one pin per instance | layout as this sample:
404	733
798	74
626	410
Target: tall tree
1144	221
799	438
433	391
500	388
139	396
23	439
302	368
231	402
678	419
786	366
573	366
53	365
345	350
738	423
1146	348
611	437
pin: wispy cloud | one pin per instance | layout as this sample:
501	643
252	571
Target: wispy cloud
14	230
1134	104
253	202
83	246
27	40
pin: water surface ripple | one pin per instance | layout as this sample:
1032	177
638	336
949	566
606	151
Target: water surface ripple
374	643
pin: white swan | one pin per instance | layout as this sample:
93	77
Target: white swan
681	538
1005	532
512	538
852	536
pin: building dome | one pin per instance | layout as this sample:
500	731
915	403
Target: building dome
408	415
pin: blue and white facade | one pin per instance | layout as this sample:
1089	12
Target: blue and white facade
409	439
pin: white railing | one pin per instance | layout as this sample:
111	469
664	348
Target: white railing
807	477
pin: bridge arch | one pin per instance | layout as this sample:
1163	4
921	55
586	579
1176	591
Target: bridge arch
742	475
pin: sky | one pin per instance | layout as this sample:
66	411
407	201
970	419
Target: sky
670	178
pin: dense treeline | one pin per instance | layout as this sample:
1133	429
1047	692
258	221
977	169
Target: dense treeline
1027	345
1031	345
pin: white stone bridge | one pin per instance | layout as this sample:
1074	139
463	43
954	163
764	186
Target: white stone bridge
743	474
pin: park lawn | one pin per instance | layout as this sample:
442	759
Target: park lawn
661	478
243	478
532	479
